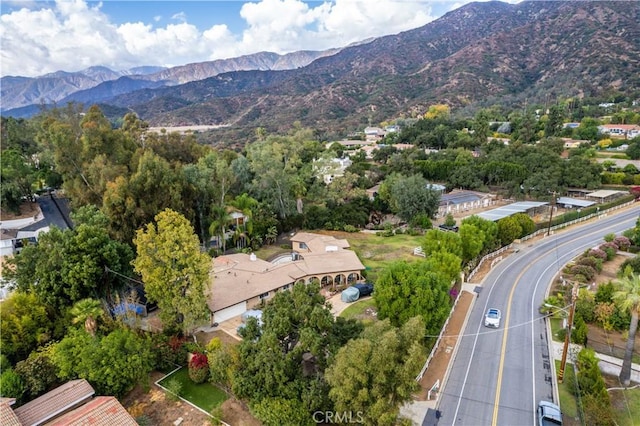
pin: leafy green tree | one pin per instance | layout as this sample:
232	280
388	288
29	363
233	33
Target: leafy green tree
581	172
405	290
131	203
374	374
627	296
472	240
17	179
24	325
480	127
553	126
436	241
286	357
220	221
410	196
508	230
489	230
223	364
113	364
275	164
174	271
74	264
527	225
12	385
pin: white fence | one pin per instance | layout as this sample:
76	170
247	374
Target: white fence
487	257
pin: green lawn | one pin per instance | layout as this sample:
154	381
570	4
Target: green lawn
357	308
556	325
626	404
204	395
568	403
375	252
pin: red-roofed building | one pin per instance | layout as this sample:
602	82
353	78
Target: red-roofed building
69	404
102	410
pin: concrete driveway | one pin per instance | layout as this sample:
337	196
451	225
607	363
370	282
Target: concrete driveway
337	305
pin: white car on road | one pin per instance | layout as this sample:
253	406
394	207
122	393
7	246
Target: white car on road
492	318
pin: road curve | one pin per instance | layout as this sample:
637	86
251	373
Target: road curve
498	376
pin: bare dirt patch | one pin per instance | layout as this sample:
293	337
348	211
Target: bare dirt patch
153	404
27	210
157	409
442	357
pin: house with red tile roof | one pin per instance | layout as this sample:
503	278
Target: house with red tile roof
627	131
70	404
102	410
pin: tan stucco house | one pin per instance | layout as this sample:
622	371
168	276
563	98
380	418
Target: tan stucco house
240	282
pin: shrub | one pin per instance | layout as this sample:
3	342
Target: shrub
350	228
609	237
598	253
592	262
12	385
610	249
199	368
174	386
585	270
623	242
213	345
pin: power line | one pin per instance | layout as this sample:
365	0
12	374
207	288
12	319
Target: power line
493	331
106	268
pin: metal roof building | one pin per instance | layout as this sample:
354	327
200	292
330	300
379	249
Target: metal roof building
511	209
568	202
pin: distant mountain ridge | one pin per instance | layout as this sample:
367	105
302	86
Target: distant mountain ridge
97	83
481	54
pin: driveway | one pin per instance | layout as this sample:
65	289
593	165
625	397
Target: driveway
337	305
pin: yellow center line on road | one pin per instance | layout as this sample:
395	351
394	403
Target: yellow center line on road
503	351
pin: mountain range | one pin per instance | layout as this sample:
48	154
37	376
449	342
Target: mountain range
478	55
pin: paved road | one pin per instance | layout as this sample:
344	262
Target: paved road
499	376
55	213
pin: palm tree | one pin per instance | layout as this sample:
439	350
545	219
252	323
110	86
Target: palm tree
628	299
220	220
87	311
245	204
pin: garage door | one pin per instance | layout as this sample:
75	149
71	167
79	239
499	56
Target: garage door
230	312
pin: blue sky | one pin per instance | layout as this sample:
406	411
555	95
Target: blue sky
39	37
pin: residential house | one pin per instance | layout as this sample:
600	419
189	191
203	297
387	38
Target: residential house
373	133
240	282
573	143
627	131
331	169
72	404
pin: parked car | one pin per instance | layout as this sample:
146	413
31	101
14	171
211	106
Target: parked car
365	289
492	318
549	414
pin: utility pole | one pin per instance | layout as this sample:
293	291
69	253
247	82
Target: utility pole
567	336
553	204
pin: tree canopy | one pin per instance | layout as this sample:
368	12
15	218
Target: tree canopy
174	271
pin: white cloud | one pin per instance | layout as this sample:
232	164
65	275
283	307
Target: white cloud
70	35
182	17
